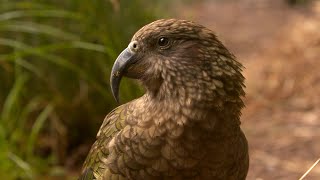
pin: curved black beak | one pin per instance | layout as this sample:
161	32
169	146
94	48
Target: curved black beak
119	67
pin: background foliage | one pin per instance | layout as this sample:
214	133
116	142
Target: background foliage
55	60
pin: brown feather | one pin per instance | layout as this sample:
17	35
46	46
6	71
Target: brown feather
187	125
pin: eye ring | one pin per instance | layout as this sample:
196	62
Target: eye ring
163	42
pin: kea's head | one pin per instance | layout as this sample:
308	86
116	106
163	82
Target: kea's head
180	59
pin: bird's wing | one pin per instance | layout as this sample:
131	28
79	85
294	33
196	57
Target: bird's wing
95	165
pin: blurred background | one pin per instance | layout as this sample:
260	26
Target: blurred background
56	57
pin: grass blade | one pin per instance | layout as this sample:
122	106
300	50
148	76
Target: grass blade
36	28
37	126
38	13
12	99
51	58
21	164
308	171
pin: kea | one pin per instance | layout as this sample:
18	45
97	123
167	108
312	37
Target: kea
187	124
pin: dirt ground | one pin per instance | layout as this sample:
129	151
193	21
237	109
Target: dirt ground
280	48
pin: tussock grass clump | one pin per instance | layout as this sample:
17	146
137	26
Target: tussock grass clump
55	60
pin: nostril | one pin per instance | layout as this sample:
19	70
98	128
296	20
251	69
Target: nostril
133	46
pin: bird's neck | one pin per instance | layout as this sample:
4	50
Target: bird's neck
184	101
174	120
190	104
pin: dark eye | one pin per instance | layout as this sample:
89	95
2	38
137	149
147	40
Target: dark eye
163	41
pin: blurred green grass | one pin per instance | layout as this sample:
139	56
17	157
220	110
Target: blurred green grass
55	61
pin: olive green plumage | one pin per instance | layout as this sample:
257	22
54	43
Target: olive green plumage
187	124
